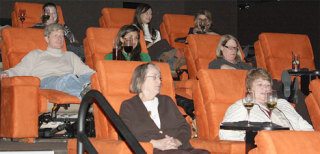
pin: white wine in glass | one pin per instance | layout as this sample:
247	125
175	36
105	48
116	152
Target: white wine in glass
272	102
248	103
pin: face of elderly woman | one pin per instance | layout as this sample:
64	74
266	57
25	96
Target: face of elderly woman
152	82
229	50
260	89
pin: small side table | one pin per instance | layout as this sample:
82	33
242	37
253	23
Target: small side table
306	76
251	130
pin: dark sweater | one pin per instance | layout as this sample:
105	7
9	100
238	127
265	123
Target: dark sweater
136	117
217	63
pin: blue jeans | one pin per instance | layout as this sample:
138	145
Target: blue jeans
68	83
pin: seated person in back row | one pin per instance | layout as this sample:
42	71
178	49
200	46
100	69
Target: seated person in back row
202	23
155	118
228	55
127	46
258	84
49	16
57	69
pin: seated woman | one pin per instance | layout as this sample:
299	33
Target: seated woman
228	55
128	34
155	118
57	69
49	16
202	23
142	20
259	83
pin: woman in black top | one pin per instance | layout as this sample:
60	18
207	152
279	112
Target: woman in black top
229	55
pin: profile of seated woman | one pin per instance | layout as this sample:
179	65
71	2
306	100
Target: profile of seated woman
155	118
127	46
258	84
202	23
228	55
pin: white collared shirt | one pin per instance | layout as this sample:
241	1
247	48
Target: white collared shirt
284	115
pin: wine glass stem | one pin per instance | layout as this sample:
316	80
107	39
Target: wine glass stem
270	118
248	111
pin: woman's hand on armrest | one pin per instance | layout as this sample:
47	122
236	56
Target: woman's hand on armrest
166	143
3	75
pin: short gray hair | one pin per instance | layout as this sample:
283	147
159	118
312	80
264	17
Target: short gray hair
139	76
52	27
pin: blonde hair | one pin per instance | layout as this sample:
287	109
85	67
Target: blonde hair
223	41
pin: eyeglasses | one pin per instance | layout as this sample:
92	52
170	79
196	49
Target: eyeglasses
231	48
155	77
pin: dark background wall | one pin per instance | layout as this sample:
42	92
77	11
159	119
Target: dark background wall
244	19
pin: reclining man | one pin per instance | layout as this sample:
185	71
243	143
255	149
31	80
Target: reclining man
57	69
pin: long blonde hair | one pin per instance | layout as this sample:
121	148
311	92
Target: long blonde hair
223	41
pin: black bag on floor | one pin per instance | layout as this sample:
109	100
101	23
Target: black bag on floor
186	104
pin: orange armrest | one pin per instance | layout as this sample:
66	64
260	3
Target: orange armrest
20	81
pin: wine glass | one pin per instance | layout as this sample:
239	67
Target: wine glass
128	45
115	50
22	15
272	99
248	103
202	26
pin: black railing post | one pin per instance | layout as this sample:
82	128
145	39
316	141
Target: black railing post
83	143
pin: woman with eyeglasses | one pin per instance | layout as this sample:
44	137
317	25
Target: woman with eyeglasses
153	117
229	55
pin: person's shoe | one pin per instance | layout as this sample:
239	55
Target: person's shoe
295	88
285	78
85	89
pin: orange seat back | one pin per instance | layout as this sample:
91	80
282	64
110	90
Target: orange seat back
33	14
116	17
114	79
313	103
174	26
99	42
17	42
277	51
215	92
202	50
286	142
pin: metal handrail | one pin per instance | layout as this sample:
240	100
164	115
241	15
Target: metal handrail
83	142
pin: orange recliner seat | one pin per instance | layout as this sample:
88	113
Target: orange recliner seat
293	142
21	99
201	51
116	17
313	103
213	93
175	26
99	42
114	80
33	14
274	52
